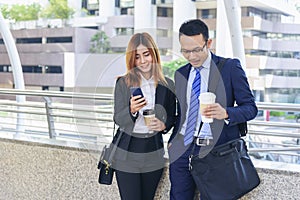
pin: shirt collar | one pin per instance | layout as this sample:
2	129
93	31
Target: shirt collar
206	63
145	80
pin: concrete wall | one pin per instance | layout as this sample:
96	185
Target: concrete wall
34	171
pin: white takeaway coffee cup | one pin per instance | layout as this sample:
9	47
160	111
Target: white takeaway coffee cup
149	115
205	99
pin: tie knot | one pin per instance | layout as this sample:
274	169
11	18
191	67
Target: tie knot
199	68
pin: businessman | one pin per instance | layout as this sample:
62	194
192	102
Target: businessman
234	104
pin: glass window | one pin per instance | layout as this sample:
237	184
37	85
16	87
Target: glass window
292	73
124	31
207	13
126	3
28	40
45	87
164	12
31	69
53	69
127	11
59	39
4	68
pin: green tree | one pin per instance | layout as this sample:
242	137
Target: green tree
100	43
5	11
21	12
58	9
169	68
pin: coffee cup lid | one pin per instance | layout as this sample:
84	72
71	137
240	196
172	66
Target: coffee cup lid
148	112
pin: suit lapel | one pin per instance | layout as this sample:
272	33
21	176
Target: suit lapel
215	81
181	81
214	77
216	85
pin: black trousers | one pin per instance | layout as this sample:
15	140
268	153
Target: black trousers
138	186
138	176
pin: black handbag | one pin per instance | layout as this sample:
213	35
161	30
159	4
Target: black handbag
226	173
105	166
106	161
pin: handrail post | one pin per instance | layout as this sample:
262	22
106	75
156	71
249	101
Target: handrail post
50	119
16	70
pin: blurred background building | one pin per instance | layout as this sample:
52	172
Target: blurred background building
55	53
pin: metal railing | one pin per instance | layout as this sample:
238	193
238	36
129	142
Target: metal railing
275	139
86	120
64	118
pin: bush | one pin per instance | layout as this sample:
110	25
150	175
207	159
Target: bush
277	113
169	68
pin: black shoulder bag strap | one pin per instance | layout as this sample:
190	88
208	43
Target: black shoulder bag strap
221	64
113	146
243	129
214	82
111	149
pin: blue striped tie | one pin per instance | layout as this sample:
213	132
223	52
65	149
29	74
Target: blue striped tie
194	108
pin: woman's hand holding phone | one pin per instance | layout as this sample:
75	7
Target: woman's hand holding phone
137	100
137	103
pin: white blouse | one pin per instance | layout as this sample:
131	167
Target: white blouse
148	89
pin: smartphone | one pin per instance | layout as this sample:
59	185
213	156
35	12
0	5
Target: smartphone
136	91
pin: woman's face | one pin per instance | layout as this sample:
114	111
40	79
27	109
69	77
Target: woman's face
143	60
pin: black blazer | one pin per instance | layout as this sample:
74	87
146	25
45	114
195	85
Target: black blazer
165	108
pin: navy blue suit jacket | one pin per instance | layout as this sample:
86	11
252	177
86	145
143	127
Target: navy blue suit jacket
232	92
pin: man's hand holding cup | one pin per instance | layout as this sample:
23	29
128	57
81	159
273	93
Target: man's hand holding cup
206	99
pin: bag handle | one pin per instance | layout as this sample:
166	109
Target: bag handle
114	146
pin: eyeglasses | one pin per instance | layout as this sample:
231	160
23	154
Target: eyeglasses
194	51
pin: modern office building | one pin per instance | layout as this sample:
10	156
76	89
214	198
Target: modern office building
46	54
270	30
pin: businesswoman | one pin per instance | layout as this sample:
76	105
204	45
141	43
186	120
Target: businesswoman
139	160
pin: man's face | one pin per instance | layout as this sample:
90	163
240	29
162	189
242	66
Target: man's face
194	49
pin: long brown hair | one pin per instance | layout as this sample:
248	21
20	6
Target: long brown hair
132	76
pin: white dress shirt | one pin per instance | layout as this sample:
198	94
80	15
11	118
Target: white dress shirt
204	86
148	89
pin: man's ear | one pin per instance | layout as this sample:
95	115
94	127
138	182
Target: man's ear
209	43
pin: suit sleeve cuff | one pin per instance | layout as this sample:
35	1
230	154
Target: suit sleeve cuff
227	121
134	114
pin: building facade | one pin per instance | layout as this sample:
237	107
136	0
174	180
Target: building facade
271	36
